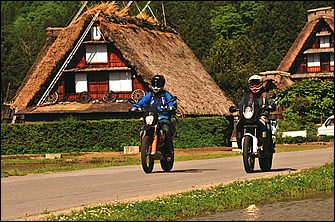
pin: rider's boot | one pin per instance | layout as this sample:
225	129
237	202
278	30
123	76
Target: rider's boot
272	148
170	153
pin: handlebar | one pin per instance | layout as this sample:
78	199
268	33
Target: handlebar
270	108
141	109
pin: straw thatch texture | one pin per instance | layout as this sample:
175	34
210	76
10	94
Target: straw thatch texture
149	50
152	52
48	67
278	78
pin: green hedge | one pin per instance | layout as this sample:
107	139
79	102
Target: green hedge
300	139
72	135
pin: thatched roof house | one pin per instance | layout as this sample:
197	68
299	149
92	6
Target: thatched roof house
312	54
145	48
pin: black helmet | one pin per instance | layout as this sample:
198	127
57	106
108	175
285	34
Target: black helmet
157	83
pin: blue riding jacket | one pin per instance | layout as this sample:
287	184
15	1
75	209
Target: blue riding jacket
158	99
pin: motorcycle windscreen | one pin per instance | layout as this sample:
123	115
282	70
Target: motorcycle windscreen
249	100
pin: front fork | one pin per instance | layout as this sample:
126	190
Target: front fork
154	141
254	143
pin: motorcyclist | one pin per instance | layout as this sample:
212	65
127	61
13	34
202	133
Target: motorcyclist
159	96
255	83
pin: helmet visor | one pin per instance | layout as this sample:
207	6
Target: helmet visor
255	84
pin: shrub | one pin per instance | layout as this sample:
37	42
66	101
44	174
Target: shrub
72	135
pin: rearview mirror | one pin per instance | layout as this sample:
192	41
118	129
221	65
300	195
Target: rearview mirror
233	109
273	95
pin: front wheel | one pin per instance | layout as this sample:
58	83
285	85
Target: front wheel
266	163
248	157
167	165
147	160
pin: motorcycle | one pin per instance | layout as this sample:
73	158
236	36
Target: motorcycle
252	135
152	136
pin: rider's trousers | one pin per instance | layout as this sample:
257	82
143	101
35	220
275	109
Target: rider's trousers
168	135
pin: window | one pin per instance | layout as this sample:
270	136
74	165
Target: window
313	60
120	81
332	59
95	33
96	53
313	63
81	82
324	42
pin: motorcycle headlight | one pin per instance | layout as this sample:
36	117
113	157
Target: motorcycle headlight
149	119
248	112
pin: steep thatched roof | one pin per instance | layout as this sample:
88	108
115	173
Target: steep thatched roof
149	49
317	19
37	82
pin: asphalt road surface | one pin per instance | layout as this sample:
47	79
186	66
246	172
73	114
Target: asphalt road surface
34	194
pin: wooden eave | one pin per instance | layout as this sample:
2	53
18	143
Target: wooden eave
323	33
320	50
97	42
312	75
97	69
78	108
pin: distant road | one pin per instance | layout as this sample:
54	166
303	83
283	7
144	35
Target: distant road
33	194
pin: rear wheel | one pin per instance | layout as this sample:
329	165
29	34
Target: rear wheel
147	160
167	165
248	157
266	163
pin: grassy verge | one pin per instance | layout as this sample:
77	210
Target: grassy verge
238	194
72	162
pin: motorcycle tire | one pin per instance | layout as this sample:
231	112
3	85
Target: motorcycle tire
167	165
248	157
146	158
265	163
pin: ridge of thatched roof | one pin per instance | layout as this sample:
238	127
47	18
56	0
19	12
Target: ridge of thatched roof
149	49
279	79
305	40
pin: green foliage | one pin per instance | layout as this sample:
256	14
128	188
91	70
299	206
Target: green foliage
310	98
201	132
231	63
23	34
294	122
72	135
191	19
231	21
275	28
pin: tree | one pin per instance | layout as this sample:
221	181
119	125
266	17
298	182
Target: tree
23	34
275	28
231	63
231	20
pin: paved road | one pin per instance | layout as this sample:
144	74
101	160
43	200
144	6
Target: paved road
33	194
